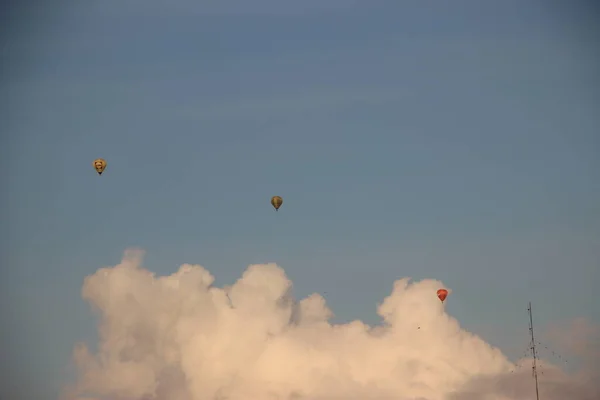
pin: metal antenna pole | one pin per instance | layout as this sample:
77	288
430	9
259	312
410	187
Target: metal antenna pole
534	353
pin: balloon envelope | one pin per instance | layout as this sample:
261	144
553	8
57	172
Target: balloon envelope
442	294
276	202
99	165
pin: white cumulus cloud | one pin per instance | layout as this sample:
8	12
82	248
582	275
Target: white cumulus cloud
180	338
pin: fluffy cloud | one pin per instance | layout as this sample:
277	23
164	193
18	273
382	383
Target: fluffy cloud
180	338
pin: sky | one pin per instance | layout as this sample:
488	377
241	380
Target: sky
454	144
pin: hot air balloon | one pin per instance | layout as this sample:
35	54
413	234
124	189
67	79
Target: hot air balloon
442	294
276	201
99	165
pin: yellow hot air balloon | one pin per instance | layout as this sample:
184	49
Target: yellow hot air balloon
276	201
99	165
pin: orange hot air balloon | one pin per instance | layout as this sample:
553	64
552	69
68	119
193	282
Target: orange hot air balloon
442	294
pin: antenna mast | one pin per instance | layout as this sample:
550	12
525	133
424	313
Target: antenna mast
534	353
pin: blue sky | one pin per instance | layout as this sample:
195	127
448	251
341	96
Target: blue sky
407	139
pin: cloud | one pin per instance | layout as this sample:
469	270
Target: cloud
178	337
554	384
